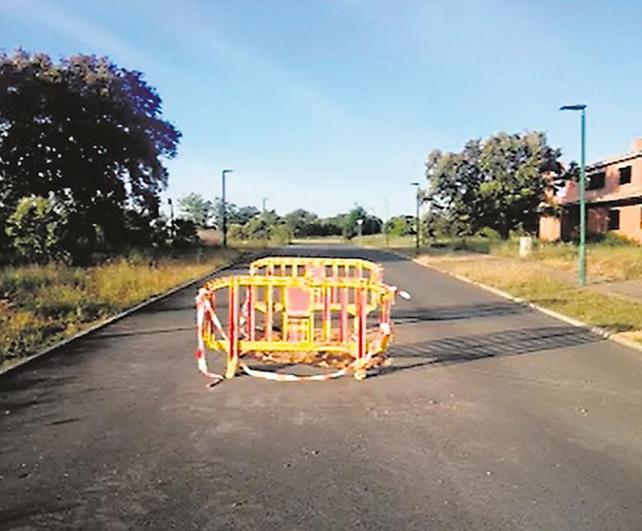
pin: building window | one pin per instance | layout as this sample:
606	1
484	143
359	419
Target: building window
596	181
614	219
625	175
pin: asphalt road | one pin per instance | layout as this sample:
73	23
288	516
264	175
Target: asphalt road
492	416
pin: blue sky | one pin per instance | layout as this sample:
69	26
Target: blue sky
324	104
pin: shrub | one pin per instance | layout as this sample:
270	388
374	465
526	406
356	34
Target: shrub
281	234
487	232
237	232
36	230
184	234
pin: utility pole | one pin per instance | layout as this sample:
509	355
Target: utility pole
385	223
224	207
581	265
417	220
172	231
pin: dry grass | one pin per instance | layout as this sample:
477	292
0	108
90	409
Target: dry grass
40	305
609	262
527	281
612	259
379	241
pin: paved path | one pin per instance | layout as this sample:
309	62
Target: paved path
492	417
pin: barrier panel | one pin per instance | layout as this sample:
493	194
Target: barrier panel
326	312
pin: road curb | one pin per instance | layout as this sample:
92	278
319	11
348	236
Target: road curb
606	334
93	328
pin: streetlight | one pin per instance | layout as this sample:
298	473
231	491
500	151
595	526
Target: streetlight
224	207
171	218
359	226
264	203
385	223
418	227
581	266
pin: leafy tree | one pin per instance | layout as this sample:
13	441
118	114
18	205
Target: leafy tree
453	187
36	230
235	214
184	234
300	221
160	232
258	228
333	226
244	214
281	234
84	127
400	225
435	223
371	224
495	183
193	207
513	167
237	232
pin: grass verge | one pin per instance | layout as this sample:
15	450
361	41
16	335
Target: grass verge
41	305
613	259
526	281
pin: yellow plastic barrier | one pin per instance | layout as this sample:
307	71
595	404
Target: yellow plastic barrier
298	310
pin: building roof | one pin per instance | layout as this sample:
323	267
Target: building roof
629	194
613	160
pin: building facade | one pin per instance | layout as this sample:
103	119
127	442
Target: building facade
613	200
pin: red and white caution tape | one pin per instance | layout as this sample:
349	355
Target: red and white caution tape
203	307
358	367
287	377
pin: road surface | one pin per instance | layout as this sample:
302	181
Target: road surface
492	416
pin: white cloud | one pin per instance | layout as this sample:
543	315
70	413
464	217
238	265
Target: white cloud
75	26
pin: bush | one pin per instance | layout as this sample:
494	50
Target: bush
237	232
184	234
610	239
487	232
36	230
281	234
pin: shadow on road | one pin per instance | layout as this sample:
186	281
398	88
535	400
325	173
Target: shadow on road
453	313
460	349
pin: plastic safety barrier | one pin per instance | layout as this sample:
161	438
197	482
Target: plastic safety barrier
328	312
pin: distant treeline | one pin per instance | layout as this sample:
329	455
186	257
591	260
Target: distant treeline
248	223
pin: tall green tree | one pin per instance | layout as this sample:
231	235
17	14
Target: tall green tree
400	225
195	208
300	220
371	224
513	166
85	127
235	214
453	187
497	183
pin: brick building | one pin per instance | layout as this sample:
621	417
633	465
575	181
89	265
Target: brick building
613	200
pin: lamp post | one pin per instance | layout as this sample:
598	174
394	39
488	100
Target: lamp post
581	266
224	207
418	224
264	203
172	232
385	223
